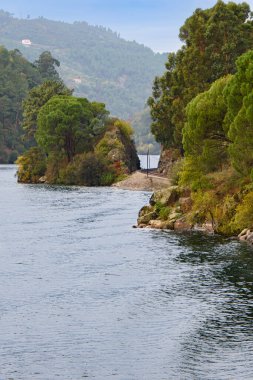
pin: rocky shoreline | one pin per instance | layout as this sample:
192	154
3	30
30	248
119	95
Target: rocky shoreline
169	209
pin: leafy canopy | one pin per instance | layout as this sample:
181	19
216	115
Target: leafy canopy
213	39
66	125
36	98
239	120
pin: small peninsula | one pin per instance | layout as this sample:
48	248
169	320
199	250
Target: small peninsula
77	144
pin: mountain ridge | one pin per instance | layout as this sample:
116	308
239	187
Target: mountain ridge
95	61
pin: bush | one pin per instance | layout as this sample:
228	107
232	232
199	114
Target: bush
56	163
125	128
93	171
31	166
243	217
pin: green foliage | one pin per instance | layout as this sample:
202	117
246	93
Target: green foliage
239	120
31	166
117	146
225	213
204	138
108	143
65	125
56	165
175	171
162	211
93	171
213	39
76	154
205	206
37	98
124	128
46	66
191	174
17	77
243	218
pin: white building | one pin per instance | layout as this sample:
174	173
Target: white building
26	42
77	80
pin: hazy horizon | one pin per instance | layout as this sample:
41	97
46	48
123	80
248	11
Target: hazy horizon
154	23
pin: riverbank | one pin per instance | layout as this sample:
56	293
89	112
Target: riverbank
174	208
140	181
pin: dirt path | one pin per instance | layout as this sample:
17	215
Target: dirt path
139	181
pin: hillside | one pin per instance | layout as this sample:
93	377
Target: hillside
17	77
95	61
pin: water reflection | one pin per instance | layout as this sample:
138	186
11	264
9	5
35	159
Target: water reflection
219	273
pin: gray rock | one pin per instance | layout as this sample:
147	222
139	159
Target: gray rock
165	197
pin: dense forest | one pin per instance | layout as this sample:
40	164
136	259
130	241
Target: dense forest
68	139
203	106
95	61
17	78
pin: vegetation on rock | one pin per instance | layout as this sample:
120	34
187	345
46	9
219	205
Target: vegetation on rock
213	39
214	179
78	144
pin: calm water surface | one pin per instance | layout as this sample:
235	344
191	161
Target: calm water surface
84	295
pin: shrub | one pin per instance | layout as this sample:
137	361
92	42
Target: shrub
125	128
244	211
31	166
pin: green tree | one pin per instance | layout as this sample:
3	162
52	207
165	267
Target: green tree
239	119
17	77
213	39
204	135
66	125
36	98
46	66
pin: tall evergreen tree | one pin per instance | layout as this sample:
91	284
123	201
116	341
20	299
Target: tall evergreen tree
239	119
213	39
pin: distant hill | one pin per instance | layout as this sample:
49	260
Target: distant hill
95	61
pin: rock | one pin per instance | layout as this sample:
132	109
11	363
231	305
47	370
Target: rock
246	235
250	237
145	219
243	236
185	204
169	224
165	197
174	215
244	232
167	158
42	179
205	227
145	210
182	225
159	224
208	227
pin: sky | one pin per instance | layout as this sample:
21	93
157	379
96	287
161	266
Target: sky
154	23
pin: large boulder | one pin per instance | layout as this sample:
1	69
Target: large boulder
165	197
168	157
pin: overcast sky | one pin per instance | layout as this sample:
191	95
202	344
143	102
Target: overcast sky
155	23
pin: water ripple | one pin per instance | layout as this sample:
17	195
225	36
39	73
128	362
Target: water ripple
83	295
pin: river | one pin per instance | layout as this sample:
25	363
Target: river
84	295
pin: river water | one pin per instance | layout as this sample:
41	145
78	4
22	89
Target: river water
84	295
